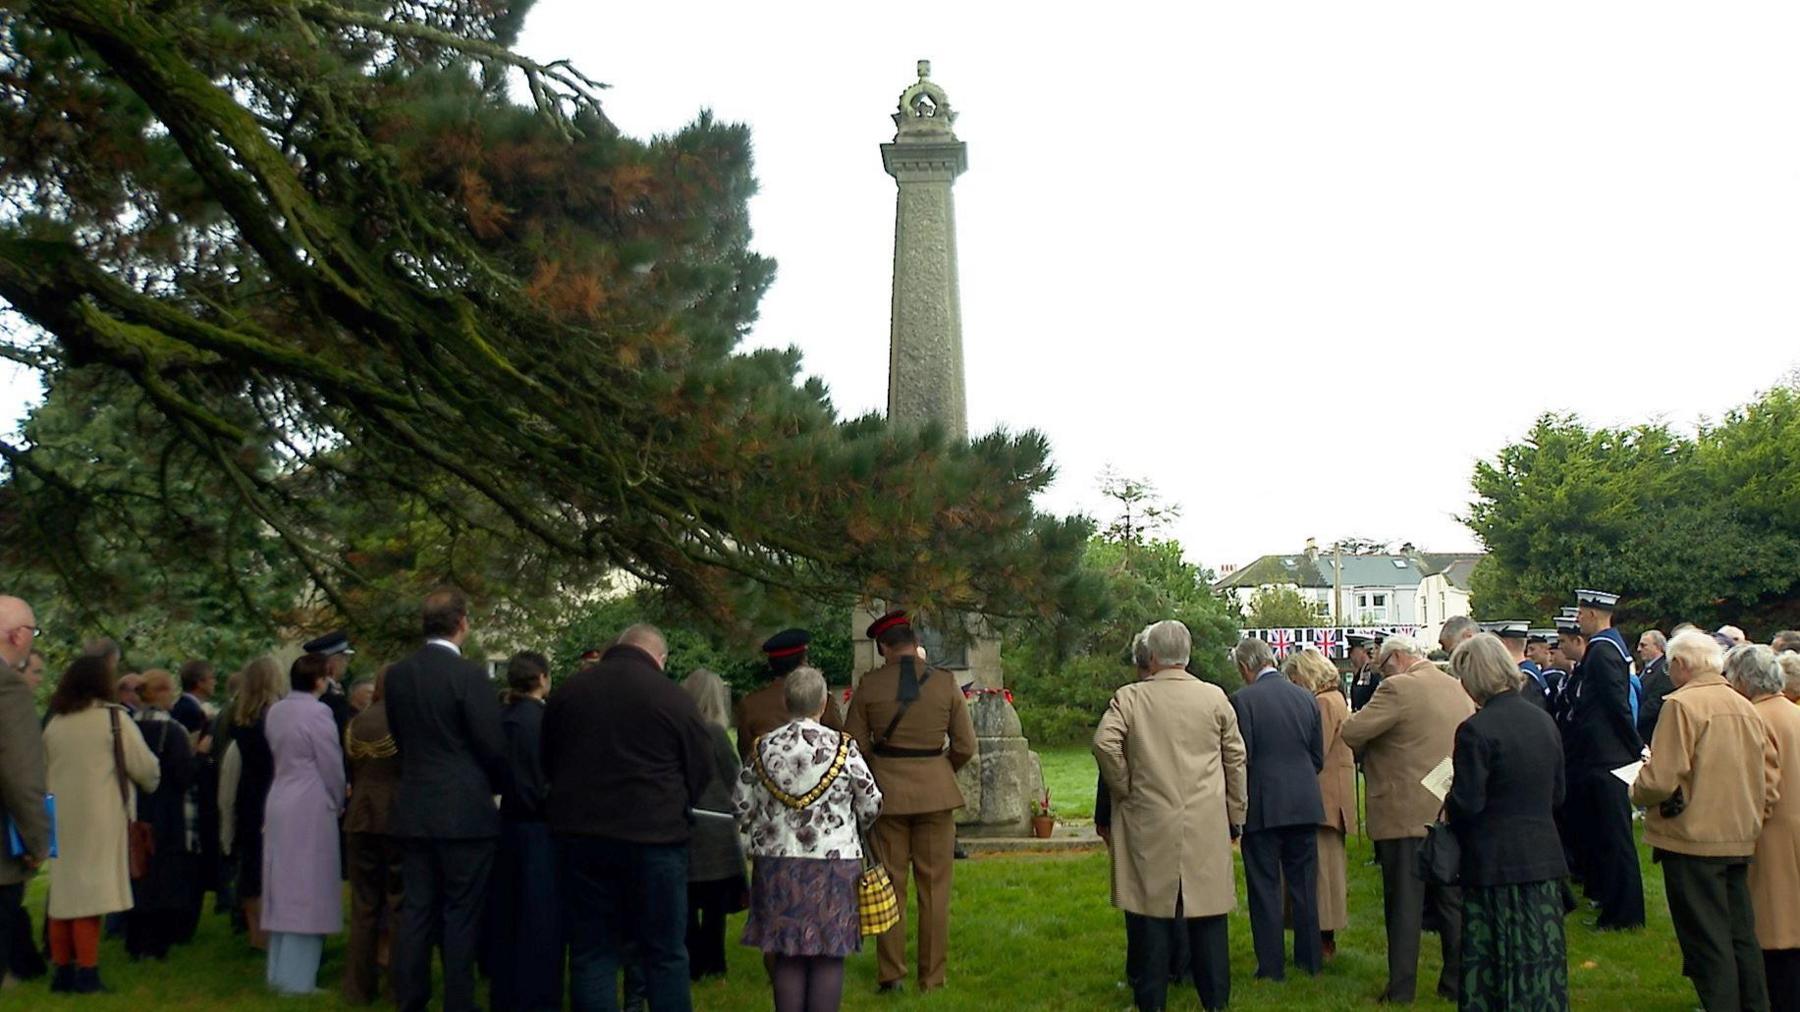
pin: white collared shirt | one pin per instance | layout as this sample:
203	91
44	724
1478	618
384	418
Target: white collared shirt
446	644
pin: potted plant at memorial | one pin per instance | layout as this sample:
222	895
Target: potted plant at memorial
1043	820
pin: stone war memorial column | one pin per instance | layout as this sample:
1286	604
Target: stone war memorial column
925	384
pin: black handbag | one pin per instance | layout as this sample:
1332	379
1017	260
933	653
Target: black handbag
1440	855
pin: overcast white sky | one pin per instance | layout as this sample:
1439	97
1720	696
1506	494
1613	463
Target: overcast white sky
1260	253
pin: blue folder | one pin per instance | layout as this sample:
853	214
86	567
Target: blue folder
15	844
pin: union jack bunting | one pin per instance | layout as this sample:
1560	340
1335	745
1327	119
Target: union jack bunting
1282	640
1332	641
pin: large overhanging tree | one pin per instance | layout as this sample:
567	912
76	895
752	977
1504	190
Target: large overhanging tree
345	277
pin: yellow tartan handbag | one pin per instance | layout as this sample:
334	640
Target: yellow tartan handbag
876	905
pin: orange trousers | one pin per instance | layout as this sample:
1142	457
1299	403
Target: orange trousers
75	941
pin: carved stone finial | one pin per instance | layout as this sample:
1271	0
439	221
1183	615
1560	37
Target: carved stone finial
924	108
924	69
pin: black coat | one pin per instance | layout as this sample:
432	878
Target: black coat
1657	684
1502	803
522	798
626	752
1285	748
169	884
1363	686
445	721
1599	731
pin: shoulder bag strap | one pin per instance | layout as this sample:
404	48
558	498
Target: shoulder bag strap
806	800
118	744
905	704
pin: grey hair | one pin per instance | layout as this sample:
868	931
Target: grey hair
1655	636
1786	641
1457	628
1790	675
1170	643
710	695
805	688
1140	650
1484	667
1405	646
1253	655
645	637
1695	651
1751	668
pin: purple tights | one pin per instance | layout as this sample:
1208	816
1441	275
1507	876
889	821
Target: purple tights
807	983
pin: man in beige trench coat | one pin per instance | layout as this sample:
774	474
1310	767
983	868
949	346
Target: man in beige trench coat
1170	752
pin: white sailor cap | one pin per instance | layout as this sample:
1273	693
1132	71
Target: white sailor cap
1511	630
1597	599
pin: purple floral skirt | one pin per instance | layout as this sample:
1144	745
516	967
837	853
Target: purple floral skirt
804	906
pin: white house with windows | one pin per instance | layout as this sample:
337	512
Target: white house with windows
1405	588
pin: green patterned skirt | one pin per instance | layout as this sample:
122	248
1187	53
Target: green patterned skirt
1513	957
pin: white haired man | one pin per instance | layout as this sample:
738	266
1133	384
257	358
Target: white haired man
1653	675
1407	728
1456	629
1712	777
1172	756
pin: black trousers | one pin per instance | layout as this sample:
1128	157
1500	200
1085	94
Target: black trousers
1709	901
708	904
445	888
1272	856
1610	866
1782	969
1149	942
1404	896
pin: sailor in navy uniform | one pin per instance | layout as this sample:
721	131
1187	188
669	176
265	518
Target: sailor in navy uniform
1602	736
1538	643
1365	676
1514	634
335	648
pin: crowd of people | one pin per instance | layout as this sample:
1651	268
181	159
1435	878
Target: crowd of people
584	843
1503	773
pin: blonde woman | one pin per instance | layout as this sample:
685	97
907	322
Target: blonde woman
1337	787
263	685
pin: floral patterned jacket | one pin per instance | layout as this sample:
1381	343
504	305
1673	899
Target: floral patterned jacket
796	756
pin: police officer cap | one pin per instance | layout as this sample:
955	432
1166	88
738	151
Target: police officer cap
1508	630
1356	639
335	642
1599	599
786	643
892	620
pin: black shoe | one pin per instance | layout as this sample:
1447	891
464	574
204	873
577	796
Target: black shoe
957	853
888	987
87	980
62	980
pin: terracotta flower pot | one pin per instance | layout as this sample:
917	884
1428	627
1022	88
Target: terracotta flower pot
1042	826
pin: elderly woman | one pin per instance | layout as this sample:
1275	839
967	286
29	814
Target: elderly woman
302	875
801	800
1790	675
372	855
715	860
526	944
93	757
1706	804
163	900
1337	787
1502	806
1775	868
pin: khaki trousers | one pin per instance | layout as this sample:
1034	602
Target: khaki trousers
925	844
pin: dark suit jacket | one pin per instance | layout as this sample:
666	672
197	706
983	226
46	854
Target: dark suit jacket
626	752
1502	803
1657	684
1600	731
1285	747
445	720
188	712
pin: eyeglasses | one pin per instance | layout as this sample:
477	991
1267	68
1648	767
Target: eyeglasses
36	630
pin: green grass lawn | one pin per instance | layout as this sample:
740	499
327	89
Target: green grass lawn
1027	932
1069	774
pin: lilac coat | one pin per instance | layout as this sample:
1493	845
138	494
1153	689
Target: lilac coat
302	879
